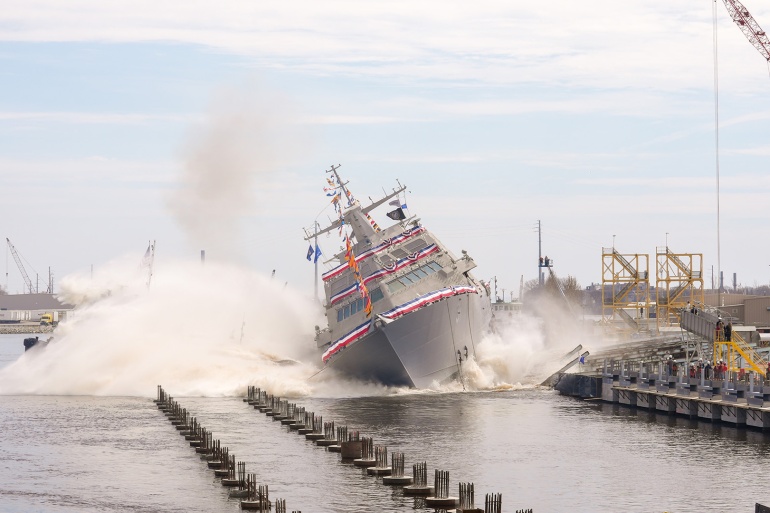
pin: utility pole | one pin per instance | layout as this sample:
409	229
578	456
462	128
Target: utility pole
539	253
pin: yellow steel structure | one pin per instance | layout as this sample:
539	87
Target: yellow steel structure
625	286
730	351
678	279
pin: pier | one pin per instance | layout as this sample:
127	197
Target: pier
739	399
711	373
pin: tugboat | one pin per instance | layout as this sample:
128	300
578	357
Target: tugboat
402	310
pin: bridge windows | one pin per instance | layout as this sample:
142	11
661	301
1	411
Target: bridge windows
414	276
357	305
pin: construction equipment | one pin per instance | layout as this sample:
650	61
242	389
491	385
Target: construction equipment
749	26
679	280
557	282
27	281
625	283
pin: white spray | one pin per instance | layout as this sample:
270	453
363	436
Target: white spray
184	334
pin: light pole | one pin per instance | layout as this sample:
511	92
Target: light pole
315	259
315	249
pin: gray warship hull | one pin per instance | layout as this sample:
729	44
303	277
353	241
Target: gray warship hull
401	309
422	349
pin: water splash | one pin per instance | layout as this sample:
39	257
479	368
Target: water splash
213	330
519	354
516	356
200	330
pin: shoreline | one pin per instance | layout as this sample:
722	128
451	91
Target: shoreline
14	329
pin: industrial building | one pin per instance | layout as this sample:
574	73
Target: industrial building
29	308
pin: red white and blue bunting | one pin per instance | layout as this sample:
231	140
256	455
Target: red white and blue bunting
395	313
427	299
400	264
348	339
339	296
392	268
385	244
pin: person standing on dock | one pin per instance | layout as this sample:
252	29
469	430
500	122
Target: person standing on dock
719	329
729	331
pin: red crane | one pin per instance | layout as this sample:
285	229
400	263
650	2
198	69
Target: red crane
749	26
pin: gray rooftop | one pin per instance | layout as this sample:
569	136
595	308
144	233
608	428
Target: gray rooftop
32	302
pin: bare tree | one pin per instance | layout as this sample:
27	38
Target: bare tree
531	285
573	291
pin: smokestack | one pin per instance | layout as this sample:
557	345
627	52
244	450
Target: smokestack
203	256
735	282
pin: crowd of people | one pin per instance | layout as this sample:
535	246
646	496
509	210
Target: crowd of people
707	370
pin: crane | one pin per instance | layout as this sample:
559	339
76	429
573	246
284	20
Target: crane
749	26
27	281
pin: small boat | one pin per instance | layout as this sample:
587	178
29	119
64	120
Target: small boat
401	308
31	342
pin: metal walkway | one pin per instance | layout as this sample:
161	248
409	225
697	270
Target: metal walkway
704	325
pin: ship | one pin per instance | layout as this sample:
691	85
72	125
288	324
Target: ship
401	308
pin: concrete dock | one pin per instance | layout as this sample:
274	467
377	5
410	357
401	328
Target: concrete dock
739	402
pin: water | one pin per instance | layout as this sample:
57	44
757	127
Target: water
540	450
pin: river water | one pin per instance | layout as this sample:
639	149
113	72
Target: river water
70	453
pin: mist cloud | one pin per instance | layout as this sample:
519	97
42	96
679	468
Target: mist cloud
246	140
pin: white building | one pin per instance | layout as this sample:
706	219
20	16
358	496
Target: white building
28	308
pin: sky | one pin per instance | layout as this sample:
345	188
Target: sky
209	125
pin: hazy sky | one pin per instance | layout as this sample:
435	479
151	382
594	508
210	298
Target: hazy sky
208	125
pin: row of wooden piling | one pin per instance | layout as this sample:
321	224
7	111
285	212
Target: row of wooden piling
361	451
232	474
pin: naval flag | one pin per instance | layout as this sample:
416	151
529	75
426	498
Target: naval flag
309	252
317	254
397	214
147	258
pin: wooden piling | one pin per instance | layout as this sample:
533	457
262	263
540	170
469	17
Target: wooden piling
397	477
441	499
420	477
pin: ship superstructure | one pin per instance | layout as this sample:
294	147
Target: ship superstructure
401	308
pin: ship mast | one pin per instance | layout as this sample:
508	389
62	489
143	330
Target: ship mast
348	196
